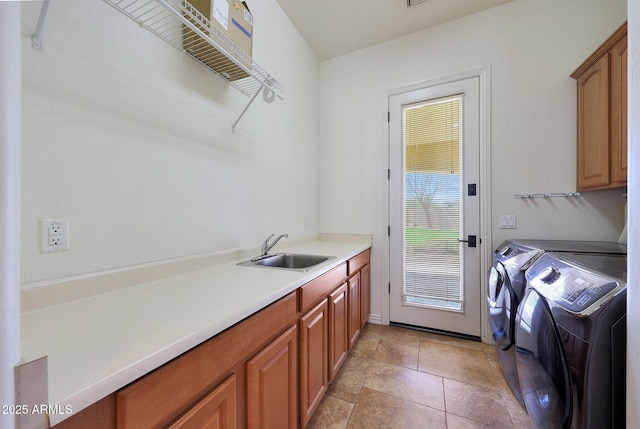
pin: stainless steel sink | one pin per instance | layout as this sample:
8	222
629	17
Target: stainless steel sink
287	261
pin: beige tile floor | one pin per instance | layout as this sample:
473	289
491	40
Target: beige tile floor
399	378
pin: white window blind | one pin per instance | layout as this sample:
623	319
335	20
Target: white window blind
433	203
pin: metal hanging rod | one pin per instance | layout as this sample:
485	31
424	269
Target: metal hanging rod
550	195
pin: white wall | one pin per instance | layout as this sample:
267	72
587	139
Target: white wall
633	290
532	47
131	140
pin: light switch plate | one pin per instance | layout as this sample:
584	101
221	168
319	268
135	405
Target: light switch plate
508	222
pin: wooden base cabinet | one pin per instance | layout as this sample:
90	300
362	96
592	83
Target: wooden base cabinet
314	344
365	294
355	320
338	333
334	312
602	116
99	415
272	396
162	396
269	371
217	410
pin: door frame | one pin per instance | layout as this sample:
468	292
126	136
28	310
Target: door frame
484	185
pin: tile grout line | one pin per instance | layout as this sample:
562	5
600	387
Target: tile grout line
416	370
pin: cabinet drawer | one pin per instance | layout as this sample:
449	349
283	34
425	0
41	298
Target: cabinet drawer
356	263
158	398
312	292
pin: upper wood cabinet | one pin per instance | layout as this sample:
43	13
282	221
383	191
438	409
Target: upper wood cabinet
602	116
619	112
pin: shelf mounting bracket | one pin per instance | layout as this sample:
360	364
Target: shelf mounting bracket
160	17
233	128
36	38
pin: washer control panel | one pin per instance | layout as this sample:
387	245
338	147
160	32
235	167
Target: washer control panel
514	256
573	288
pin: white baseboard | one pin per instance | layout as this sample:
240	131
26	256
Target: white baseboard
376	319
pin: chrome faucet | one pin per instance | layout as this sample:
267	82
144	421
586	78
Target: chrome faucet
266	246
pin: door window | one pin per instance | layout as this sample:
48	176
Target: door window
433	203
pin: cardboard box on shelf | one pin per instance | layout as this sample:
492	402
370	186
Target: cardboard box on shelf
232	28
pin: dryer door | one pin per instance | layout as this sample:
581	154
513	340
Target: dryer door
501	304
542	368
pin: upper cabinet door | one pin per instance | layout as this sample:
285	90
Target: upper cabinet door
593	126
602	116
619	113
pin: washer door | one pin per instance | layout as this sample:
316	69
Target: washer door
542	368
500	302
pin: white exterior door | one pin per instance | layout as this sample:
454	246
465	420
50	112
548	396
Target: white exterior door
434	208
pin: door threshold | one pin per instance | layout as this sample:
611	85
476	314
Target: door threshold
436	331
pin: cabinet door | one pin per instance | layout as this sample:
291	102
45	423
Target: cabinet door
619	113
271	385
593	126
314	342
365	293
338	336
354	309
217	410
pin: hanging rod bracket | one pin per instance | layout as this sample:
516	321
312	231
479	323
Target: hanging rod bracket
36	38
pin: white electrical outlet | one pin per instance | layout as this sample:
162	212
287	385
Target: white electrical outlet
54	235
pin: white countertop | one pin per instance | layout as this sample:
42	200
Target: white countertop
98	344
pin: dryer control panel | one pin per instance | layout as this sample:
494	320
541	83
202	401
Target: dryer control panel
575	289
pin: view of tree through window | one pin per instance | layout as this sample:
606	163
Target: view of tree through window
433	203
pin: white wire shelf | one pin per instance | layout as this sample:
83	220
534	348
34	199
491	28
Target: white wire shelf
180	24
